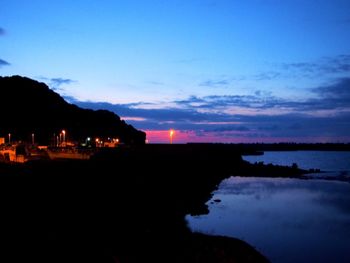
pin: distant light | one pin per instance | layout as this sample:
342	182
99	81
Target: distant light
63	131
171	133
88	138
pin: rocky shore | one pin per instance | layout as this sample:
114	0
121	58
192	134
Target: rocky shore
123	205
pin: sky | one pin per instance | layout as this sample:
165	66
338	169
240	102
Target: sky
213	70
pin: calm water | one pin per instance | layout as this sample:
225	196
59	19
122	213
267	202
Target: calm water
288	220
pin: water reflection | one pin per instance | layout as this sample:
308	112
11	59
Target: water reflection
288	220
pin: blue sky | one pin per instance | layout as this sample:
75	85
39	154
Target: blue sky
230	71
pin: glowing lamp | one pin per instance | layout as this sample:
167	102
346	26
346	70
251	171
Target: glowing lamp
171	134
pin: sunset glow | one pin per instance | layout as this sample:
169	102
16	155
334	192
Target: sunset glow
219	71
162	136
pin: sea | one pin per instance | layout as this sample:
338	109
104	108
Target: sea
287	220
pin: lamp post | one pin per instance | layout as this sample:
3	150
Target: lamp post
171	134
33	138
9	138
64	138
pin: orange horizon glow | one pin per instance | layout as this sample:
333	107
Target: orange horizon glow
162	136
191	136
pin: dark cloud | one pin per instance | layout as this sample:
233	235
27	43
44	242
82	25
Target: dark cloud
284	125
303	66
230	128
56	83
208	114
156	115
191	101
215	101
270	75
338	64
295	126
339	89
4	63
215	83
327	65
2	31
272	127
262	100
263	93
334	96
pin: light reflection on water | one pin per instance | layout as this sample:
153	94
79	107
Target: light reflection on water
288	220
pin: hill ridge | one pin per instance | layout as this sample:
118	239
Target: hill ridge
29	106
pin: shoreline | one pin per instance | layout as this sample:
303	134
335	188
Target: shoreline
123	205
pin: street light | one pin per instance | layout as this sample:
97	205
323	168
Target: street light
171	134
9	138
87	142
64	137
33	138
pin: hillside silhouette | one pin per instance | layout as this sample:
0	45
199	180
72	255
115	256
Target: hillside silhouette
28	106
